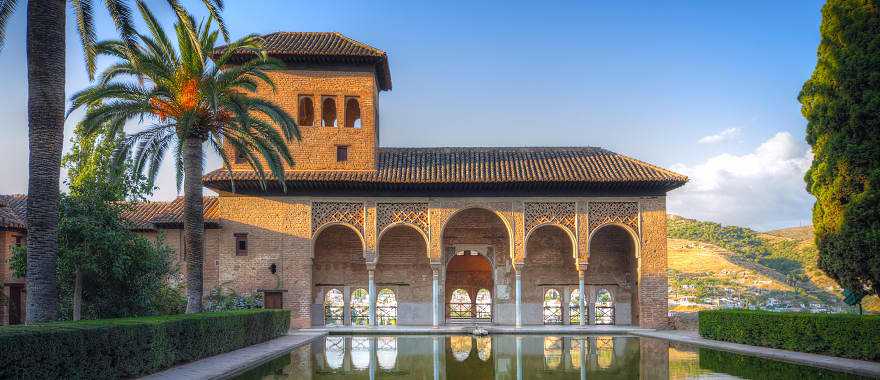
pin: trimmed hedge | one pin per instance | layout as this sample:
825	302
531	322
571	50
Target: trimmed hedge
130	347
842	335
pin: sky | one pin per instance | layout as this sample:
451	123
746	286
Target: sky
705	88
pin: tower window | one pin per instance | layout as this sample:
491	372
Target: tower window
341	153
352	113
241	245
306	111
328	112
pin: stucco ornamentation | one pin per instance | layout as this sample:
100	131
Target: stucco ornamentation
414	213
351	213
557	213
625	213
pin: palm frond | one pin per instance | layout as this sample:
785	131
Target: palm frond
121	15
7	7
159	35
85	25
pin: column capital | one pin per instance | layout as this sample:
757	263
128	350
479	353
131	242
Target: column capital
371	266
436	267
519	267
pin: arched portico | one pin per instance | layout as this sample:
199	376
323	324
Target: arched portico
338	265
476	248
612	275
403	267
550	266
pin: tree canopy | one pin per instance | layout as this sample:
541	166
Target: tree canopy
841	102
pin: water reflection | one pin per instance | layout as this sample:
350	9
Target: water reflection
507	357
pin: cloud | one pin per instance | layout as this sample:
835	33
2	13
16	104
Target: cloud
725	135
763	189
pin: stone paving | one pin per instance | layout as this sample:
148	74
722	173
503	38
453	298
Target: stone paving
857	367
232	363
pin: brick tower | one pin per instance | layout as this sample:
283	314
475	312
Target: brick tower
331	87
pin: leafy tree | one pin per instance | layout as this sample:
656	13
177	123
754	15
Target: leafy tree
841	102
184	98
45	61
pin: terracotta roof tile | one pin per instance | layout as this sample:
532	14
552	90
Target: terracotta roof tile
13	211
149	215
325	47
576	167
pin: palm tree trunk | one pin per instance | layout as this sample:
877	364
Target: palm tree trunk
193	222
45	60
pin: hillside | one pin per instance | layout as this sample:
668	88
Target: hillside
711	265
801	239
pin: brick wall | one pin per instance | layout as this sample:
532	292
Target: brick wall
317	148
7	240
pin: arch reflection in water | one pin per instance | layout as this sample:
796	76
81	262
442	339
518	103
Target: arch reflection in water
574	353
552	352
334	351
484	348
605	351
360	352
386	352
461	346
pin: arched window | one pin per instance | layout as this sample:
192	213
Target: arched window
605	351
386	308
484	348
461	346
352	113
552	307
574	312
360	307
484	304
328	112
552	352
334	308
334	351
386	352
460	305
306	111
360	352
604	307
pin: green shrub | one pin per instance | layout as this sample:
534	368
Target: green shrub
130	347
843	335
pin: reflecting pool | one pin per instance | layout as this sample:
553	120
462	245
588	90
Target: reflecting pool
520	357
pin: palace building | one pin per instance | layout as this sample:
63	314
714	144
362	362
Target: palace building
369	235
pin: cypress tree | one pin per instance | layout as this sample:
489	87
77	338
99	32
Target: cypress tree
841	102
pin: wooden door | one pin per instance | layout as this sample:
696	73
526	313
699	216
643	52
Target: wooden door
272	300
15	314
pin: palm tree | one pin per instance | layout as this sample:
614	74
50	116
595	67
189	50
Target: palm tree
185	99
45	61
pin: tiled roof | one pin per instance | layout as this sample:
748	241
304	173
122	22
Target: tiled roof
149	215
326	47
13	211
575	169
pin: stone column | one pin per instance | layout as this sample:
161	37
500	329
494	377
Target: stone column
435	295
583	357
436	344
518	269
582	298
519	358
371	269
